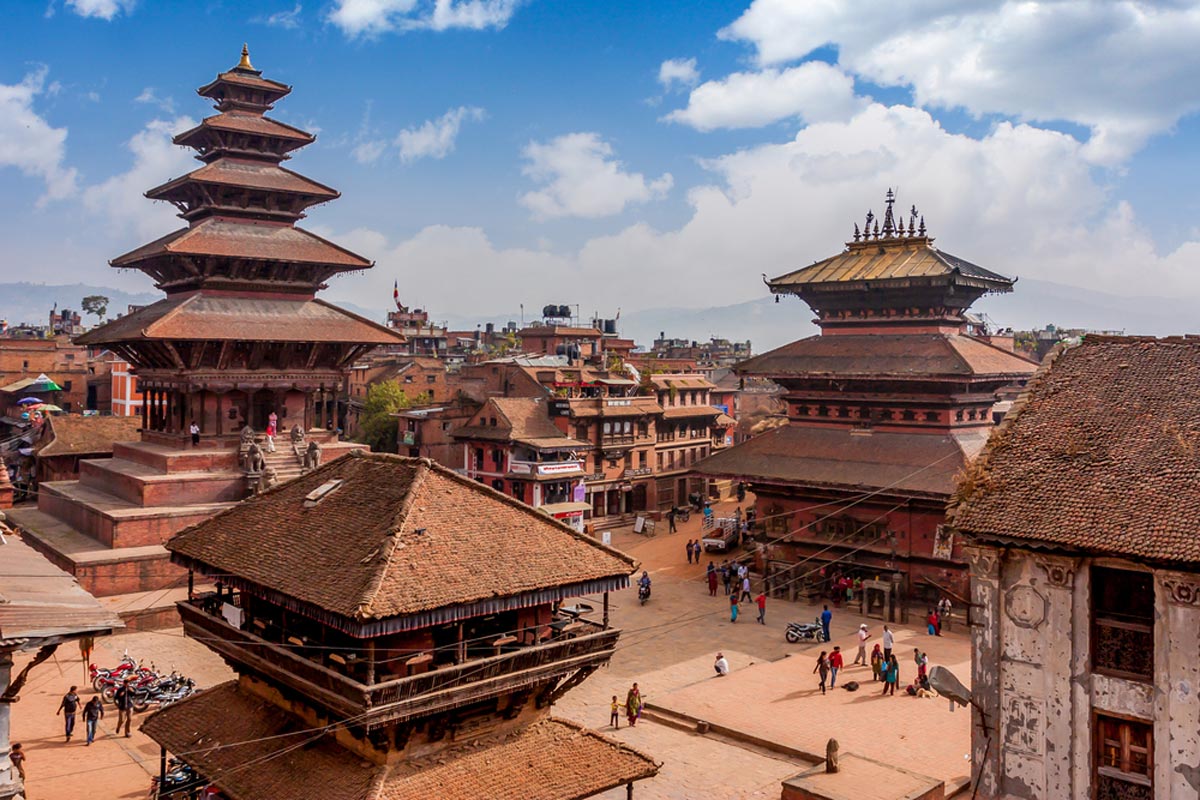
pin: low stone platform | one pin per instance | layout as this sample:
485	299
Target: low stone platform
143	611
860	778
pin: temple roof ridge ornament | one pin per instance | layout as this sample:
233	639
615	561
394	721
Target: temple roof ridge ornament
892	229
244	63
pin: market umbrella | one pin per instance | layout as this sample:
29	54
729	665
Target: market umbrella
42	383
49	407
25	401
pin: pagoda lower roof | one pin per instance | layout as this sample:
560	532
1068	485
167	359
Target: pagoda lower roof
878	261
246	122
877	355
247	174
224	728
847	459
216	236
204	316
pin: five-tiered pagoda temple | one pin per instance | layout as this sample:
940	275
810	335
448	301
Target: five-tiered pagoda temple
240	336
885	407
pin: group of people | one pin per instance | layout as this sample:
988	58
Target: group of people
694	549
938	616
885	667
633	708
93	711
735	578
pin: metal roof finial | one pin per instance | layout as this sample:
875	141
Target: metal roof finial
921	229
245	62
889	221
867	226
857	235
876	229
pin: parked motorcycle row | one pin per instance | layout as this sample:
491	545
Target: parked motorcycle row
149	688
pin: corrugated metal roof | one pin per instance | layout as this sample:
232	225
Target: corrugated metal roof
876	260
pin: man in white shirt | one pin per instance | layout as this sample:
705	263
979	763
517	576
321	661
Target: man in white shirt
863	635
888	641
721	665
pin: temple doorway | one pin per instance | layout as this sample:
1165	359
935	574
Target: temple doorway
262	403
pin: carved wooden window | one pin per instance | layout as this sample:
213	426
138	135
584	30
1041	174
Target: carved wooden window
1124	759
1123	623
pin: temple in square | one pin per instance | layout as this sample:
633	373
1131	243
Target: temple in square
417	658
885	407
239	339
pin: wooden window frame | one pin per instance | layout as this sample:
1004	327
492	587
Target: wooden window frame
1099	769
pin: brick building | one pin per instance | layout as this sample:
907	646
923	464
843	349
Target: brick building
690	429
57	358
426	648
1079	522
884	408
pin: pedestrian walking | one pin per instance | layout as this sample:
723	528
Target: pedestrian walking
614	718
93	712
272	430
931	622
943	608
721	665
826	618
733	607
835	664
194	430
891	675
67	707
633	705
861	656
671	520
17	757
762	607
689	550
124	701
937	623
889	640
712	580
822	667
698	548
877	663
746	589
742	571
725	575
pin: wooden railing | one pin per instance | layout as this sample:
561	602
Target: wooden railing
445	687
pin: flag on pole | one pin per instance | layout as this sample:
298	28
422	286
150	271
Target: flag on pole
396	294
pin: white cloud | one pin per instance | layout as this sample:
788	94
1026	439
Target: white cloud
813	92
370	151
580	178
28	142
1123	68
284	19
102	9
435	138
149	96
681	71
119	199
374	17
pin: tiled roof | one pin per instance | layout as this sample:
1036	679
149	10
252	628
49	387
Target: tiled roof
685	381
638	407
397	537
248	174
224	728
1099	454
243	122
219	317
876	261
681	412
888	355
559	330
809	456
39	601
79	435
518	419
245	239
243	79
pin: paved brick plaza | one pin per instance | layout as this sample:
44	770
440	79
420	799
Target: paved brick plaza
668	646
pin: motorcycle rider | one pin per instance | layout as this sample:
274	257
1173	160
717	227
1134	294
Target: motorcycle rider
644	584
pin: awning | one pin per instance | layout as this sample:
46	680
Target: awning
564	508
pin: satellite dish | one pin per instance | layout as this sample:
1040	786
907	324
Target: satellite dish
947	685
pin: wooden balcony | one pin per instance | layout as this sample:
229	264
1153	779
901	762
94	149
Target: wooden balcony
437	690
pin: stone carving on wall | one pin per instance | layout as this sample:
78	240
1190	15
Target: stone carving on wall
984	561
1181	589
1025	606
1059	571
1022	724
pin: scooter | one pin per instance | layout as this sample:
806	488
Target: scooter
805	632
643	593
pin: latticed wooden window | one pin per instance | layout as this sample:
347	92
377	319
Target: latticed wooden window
1124	759
1123	623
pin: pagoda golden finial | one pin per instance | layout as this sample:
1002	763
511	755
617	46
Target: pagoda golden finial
245	62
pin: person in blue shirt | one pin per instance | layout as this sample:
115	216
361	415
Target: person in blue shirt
826	616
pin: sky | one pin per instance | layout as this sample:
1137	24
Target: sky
625	154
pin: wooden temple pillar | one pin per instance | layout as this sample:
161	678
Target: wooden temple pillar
220	414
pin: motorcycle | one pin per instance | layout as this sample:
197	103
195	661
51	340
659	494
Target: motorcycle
804	631
683	514
162	692
101	676
180	781
643	593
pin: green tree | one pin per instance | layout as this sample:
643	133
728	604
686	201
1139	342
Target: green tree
95	304
377	427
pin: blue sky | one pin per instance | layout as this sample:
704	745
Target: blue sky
1052	140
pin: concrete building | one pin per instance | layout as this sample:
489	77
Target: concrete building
1079	523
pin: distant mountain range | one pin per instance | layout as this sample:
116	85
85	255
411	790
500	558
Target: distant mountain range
764	322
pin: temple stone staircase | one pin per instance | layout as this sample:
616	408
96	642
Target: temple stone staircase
285	462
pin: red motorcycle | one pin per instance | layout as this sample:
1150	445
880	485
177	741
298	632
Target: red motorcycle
102	676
